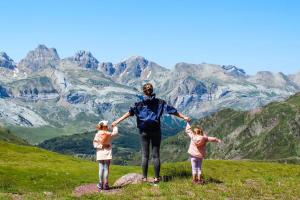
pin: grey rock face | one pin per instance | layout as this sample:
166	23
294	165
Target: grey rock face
4	93
6	61
103	107
85	59
137	70
132	67
34	89
107	68
39	58
272	80
77	97
233	70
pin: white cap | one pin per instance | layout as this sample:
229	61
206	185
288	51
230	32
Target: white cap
103	123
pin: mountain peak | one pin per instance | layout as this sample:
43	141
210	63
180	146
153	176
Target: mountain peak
233	70
137	58
6	61
39	58
42	46
85	59
134	64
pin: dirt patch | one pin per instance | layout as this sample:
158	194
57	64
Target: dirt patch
92	189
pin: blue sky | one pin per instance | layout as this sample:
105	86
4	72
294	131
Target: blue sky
255	35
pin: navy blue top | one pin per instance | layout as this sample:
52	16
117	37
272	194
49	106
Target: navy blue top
148	112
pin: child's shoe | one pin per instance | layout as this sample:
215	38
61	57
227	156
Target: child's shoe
156	181
100	186
195	182
200	181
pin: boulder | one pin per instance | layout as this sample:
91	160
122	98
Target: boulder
131	178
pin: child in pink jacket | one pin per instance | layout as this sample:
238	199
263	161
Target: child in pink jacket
102	143
197	150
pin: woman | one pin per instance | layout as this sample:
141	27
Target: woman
148	112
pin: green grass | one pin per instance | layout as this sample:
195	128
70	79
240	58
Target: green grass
30	172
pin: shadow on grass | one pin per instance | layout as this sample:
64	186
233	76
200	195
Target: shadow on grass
187	175
212	180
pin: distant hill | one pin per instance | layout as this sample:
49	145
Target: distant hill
7	136
125	146
268	133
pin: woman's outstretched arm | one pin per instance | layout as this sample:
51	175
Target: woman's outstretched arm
186	118
125	116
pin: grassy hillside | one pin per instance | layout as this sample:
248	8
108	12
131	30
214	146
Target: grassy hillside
268	133
32	173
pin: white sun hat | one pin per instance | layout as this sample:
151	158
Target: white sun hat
103	123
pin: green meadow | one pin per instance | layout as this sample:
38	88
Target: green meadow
28	172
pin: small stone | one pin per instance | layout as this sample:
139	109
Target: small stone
48	194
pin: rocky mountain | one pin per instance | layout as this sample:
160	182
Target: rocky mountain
85	59
39	58
70	95
295	78
6	61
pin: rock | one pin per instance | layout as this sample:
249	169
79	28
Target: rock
39	58
49	194
4	92
131	178
233	70
6	61
77	97
133	66
107	68
34	89
85	59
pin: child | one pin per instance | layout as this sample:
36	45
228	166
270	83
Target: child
102	142
197	150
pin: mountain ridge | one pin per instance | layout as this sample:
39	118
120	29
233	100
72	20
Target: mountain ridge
46	90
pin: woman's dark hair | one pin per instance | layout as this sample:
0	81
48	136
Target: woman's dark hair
148	89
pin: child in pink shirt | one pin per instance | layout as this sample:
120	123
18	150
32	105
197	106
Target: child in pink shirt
197	150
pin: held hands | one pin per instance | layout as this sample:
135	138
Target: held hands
114	124
187	119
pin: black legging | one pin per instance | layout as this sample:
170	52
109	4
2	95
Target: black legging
155	138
